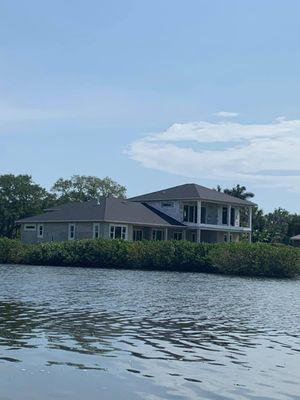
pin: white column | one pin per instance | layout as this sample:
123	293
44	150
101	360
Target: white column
237	216
199	212
198	235
250	218
166	234
229	215
220	211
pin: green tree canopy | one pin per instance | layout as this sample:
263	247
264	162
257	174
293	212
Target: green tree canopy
84	188
20	197
237	191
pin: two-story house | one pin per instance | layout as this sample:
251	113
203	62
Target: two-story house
186	212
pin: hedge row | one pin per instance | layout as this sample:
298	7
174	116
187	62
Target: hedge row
231	259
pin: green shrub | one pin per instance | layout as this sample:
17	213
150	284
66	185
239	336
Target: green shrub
11	251
246	259
259	259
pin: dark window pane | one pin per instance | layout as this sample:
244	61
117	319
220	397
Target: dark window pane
118	231
232	217
185	213
225	216
203	215
191	214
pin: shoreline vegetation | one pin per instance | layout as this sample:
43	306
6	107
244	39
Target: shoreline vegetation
242	259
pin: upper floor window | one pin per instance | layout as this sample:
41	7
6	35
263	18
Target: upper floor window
203	215
40	231
30	227
190	213
71	233
96	231
168	204
232	217
225	215
118	232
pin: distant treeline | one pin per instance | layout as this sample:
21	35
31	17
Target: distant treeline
243	259
20	197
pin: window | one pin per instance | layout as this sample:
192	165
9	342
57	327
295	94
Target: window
71	233
194	237
137	234
177	235
225	215
189	213
96	231
168	204
30	227
118	232
40	231
225	237
157	234
203	215
232	217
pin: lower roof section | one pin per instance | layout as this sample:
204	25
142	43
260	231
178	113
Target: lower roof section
108	209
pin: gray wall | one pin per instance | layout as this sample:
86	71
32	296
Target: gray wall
174	212
84	230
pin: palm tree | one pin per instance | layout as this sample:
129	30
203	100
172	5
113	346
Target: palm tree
238	191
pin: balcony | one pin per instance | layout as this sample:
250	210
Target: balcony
217	216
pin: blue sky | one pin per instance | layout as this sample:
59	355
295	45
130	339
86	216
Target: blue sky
153	93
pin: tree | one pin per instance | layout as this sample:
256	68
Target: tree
84	188
237	191
294	226
20	197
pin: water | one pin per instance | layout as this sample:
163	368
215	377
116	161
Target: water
71	333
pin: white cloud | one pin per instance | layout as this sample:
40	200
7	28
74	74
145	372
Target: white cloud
226	114
261	154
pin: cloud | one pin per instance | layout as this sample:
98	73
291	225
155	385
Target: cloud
226	114
261	154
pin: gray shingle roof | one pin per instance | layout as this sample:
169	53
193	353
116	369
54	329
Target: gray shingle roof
108	209
191	191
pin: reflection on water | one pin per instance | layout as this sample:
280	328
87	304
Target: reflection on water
71	333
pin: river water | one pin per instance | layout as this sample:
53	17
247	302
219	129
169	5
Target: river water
85	334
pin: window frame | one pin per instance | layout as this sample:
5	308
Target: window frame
112	231
194	237
167	204
203	215
96	225
227	215
190	213
134	235
180	233
27	229
232	216
71	236
40	232
154	235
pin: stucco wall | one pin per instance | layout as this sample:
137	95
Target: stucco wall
59	232
174	212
